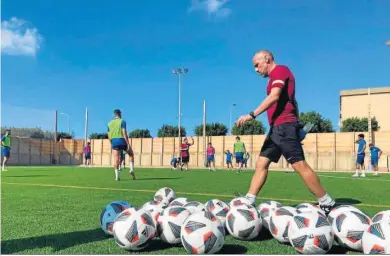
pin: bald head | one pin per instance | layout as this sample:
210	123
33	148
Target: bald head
263	61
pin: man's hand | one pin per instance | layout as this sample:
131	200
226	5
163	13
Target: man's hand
243	119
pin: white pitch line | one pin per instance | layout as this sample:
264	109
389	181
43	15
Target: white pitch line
351	178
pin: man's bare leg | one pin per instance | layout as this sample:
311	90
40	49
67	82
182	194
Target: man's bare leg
116	164
131	160
259	177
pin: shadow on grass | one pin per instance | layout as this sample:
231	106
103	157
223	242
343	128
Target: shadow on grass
336	249
157	245
161	178
263	236
233	249
56	242
348	201
24	176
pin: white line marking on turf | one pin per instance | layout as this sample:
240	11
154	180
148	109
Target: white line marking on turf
183	193
351	178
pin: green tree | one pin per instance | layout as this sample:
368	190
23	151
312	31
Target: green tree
64	135
213	129
252	127
321	124
171	131
140	133
26	132
357	124
98	136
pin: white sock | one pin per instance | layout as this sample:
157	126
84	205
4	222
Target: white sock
131	166
251	197
326	200
116	174
357	171
363	172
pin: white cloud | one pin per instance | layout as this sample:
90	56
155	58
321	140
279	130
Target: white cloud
212	7
18	37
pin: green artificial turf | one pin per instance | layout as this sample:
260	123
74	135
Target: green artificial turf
56	210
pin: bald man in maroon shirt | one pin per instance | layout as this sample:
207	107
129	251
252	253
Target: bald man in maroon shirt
283	137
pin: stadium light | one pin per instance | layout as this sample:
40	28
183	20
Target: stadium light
231	110
179	72
68	120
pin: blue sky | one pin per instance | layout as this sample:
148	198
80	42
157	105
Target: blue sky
119	54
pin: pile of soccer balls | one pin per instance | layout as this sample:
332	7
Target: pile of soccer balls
201	228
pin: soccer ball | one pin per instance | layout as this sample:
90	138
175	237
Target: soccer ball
381	216
134	231
194	206
349	227
265	210
165	196
170	222
125	213
151	205
219	209
279	222
339	210
243	222
180	201
202	233
310	233
239	201
376	239
306	207
110	213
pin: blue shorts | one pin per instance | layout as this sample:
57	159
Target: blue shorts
210	158
228	162
374	161
119	144
87	156
244	160
360	159
6	151
239	157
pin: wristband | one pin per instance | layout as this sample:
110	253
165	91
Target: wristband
252	115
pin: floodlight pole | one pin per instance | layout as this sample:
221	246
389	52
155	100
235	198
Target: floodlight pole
230	122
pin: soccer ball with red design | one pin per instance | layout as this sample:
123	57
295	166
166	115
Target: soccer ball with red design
348	228
170	222
339	210
280	221
165	196
238	201
376	239
134	232
219	209
307	207
110	213
310	233
180	201
265	210
202	233
194	206
155	209
244	222
381	216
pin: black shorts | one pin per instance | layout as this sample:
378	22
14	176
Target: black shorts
283	140
185	159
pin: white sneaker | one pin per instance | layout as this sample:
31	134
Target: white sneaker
355	175
363	176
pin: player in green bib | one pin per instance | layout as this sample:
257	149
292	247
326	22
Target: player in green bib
238	151
6	148
117	134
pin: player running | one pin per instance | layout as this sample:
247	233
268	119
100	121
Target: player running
361	154
87	154
117	134
375	156
283	137
245	160
211	157
185	153
6	148
238	151
229	157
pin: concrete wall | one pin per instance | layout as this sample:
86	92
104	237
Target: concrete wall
325	151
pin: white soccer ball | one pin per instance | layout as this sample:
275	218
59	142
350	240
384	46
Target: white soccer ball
238	201
279	222
110	213
376	239
155	209
265	210
202	233
134	231
180	201
349	227
165	196
170	222
219	209
307	207
194	206
310	233
381	216
149	206
125	213
339	210
243	222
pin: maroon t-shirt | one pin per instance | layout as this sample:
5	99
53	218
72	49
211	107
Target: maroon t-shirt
185	148
285	109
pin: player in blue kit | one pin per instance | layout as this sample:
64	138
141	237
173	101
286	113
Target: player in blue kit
229	157
361	154
375	155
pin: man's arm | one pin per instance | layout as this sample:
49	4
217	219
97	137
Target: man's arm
379	153
2	140
124	132
193	142
364	148
271	99
243	144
